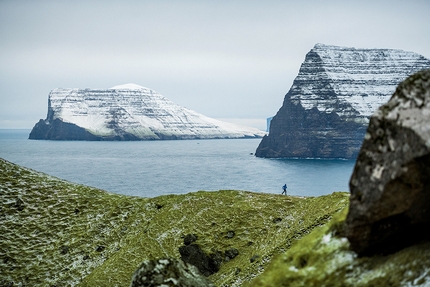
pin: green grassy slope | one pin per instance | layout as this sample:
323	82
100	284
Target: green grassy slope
53	232
323	258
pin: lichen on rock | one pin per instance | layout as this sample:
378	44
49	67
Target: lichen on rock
390	185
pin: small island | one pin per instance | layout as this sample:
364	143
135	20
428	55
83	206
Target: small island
128	112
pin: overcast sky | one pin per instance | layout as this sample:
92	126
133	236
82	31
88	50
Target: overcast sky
225	59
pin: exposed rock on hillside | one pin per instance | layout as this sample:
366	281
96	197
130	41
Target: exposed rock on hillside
127	112
206	264
326	111
390	185
168	272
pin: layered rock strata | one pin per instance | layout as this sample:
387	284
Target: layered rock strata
326	111
390	186
127	112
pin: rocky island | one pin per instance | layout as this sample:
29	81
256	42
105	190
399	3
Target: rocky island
127	112
326	111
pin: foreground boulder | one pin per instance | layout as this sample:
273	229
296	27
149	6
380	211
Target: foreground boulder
390	185
168	272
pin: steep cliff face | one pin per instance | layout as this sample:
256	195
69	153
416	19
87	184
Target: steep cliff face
327	109
127	112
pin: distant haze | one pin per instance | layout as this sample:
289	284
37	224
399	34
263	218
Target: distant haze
231	60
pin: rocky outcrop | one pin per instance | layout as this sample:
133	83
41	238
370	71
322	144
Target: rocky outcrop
206	264
390	185
168	272
326	111
193	254
127	112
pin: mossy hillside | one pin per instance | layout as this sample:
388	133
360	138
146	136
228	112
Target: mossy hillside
263	225
58	233
53	232
323	258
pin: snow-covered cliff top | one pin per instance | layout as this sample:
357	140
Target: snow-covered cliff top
352	81
129	86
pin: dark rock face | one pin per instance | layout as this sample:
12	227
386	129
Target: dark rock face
390	185
168	272
59	130
326	111
206	264
296	132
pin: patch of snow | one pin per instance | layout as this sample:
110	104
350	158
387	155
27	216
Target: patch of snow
293	268
129	86
326	238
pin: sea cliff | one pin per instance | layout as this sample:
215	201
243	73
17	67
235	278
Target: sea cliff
326	111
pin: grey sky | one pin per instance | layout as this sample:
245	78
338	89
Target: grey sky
224	59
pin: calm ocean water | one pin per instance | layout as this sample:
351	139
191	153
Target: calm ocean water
152	168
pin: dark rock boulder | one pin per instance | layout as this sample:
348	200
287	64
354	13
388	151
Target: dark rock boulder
168	272
206	264
390	185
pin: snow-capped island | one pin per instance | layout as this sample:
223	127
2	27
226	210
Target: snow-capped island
326	111
128	112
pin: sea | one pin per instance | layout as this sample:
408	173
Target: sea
154	168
